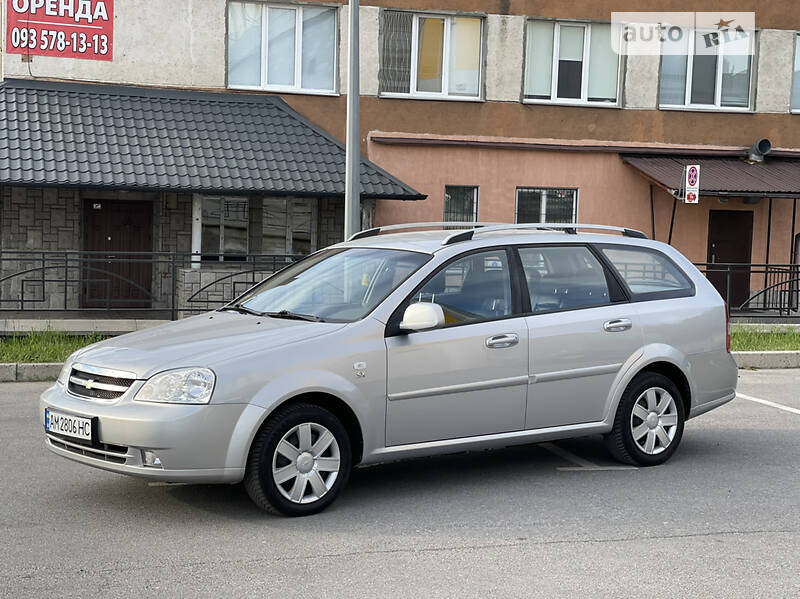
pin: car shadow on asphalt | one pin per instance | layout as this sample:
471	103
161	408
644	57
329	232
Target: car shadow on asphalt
435	479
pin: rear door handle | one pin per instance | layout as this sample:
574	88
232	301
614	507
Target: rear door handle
501	341
617	325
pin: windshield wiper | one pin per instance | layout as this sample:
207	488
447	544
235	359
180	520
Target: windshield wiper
294	316
242	310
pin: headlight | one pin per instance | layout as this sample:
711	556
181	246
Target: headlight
63	376
185	385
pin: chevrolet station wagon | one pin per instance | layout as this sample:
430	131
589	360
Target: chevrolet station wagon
407	344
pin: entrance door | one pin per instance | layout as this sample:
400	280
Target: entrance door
115	227
730	241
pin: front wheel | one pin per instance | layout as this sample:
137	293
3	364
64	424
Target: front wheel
649	422
299	462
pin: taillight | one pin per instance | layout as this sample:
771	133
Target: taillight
727	328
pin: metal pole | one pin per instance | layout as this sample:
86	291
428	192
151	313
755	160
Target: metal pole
769	230
352	190
672	220
792	257
652	213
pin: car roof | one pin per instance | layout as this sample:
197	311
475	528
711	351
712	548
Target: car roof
430	242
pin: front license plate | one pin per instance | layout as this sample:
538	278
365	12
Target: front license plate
68	425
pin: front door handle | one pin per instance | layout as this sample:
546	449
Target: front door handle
501	341
617	325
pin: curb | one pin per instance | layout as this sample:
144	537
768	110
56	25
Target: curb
30	373
767	359
76	326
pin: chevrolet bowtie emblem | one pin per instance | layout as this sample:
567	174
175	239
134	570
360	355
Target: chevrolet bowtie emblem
89	384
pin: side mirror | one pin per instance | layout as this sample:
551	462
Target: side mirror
422	316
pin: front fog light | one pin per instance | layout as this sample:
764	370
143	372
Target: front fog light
184	385
149	458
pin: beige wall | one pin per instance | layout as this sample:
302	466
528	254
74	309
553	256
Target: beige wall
610	192
177	43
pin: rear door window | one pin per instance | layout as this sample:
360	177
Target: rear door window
648	274
563	278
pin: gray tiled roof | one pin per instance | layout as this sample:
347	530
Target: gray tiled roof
70	134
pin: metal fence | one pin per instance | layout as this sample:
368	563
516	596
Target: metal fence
160	284
759	290
173	285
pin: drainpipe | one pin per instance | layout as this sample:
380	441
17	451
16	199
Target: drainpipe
197	229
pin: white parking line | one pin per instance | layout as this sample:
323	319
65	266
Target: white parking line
771	404
581	465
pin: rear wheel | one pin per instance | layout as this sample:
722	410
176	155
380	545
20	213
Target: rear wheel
649	422
299	462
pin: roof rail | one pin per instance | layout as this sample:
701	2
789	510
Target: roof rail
468	229
431	225
569	228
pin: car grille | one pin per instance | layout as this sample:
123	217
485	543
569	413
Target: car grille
116	454
98	384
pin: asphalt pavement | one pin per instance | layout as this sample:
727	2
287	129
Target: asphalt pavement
721	519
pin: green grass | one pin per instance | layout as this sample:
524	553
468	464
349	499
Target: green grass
47	346
749	340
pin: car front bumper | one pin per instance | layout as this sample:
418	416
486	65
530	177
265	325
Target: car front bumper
193	443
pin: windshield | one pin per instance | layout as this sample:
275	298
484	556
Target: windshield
333	285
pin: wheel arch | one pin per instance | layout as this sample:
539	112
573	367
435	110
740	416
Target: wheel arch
676	375
333	404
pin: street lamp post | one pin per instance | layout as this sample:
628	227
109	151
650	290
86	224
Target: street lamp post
352	190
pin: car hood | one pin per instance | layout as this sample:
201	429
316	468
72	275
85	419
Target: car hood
199	341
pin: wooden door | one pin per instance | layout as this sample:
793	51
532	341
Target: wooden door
730	241
114	278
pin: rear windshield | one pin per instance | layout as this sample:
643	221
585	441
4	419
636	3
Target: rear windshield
648	274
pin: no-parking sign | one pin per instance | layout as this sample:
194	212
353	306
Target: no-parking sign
691	184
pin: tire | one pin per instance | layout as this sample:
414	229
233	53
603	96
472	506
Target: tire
652	434
308	471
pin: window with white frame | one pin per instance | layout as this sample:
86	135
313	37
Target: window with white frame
796	79
282	47
460	203
224	228
431	56
702	69
546	205
570	62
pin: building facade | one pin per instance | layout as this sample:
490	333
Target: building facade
513	111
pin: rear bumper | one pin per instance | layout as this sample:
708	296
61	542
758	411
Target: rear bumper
193	443
715	376
710	405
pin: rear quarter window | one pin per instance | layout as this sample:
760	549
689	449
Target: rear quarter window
647	273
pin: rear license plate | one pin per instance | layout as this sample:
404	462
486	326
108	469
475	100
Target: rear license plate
68	425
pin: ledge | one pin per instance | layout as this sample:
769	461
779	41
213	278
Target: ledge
767	359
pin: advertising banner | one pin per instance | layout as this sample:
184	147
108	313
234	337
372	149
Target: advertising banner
62	28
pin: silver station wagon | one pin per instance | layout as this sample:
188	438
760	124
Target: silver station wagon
407	344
